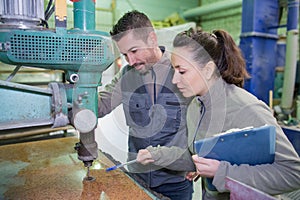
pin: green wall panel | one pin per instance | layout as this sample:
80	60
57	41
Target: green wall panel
229	20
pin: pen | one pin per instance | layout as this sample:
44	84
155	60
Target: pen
120	165
197	178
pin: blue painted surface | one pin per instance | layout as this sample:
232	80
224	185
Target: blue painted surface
293	14
293	135
258	44
280	53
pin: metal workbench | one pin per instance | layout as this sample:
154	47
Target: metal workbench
49	169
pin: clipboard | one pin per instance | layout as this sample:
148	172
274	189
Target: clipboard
251	146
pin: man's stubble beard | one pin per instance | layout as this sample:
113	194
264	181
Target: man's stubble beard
146	69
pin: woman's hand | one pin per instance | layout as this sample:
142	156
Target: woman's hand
144	157
206	167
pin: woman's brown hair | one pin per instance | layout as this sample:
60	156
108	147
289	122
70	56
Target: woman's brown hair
219	47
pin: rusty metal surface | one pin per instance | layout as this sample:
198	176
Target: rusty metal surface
49	169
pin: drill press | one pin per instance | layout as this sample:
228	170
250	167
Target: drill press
82	53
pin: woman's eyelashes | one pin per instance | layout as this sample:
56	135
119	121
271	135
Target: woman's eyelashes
181	70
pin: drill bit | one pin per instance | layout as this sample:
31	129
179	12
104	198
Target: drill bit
88	172
88	177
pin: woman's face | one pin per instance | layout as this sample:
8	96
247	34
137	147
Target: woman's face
189	76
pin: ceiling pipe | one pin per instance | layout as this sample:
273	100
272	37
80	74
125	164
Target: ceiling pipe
211	8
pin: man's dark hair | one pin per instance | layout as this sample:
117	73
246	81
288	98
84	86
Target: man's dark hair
133	20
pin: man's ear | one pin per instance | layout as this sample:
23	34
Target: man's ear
209	70
152	39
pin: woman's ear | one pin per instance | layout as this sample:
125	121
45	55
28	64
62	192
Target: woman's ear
209	70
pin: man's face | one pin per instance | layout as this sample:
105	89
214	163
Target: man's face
138	53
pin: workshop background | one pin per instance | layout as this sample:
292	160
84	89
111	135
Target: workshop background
267	32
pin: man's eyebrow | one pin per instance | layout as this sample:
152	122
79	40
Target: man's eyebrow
129	50
134	47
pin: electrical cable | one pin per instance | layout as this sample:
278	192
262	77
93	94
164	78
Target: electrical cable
48	7
48	15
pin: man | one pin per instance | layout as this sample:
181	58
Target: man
154	108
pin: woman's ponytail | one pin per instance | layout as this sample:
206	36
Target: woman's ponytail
230	63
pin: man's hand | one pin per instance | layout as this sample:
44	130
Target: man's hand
191	175
206	167
144	157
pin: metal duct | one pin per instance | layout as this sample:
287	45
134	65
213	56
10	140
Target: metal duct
210	8
258	44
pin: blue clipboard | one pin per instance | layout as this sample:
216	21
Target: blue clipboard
251	146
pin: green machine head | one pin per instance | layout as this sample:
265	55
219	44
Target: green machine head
82	53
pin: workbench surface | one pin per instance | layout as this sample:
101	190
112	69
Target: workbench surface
49	169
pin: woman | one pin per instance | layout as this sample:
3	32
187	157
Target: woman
210	68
